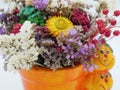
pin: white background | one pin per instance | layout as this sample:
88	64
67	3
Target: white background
12	81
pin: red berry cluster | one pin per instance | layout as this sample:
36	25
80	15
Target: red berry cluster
103	27
79	17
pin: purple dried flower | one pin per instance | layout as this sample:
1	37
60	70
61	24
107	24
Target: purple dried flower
2	30
73	32
80	43
37	36
72	56
3	17
71	40
68	46
68	56
40	4
91	68
65	49
91	46
84	49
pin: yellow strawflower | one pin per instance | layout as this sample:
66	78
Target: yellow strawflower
57	25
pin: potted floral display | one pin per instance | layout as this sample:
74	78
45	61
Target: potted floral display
59	44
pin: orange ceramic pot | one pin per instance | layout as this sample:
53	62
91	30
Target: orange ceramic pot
45	79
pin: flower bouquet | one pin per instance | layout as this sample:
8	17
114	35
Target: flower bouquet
58	44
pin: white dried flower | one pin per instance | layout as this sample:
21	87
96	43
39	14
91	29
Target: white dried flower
64	3
26	27
76	1
58	3
21	49
53	3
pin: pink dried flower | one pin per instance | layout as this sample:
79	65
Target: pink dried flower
16	28
80	18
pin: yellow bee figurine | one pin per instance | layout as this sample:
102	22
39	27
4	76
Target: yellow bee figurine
104	58
98	81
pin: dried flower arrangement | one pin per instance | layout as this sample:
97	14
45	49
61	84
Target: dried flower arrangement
54	33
